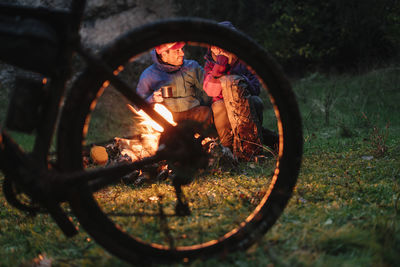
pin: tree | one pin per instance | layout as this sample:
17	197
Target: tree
338	34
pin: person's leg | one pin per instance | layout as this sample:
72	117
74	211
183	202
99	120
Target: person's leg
201	114
222	124
269	137
258	106
246	128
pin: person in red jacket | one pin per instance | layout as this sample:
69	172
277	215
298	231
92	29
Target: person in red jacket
238	119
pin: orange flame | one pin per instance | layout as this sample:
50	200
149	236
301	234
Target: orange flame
160	109
148	143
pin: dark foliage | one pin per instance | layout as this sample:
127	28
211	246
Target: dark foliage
302	34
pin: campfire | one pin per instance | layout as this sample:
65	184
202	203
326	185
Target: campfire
146	144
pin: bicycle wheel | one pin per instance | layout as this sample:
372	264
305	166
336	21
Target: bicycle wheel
157	234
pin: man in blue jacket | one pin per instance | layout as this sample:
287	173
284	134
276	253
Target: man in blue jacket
177	83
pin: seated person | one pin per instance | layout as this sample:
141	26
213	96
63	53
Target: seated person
182	82
236	106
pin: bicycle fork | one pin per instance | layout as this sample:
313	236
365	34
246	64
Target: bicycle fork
20	171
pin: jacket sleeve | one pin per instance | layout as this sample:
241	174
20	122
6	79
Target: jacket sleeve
211	85
199	80
144	89
251	78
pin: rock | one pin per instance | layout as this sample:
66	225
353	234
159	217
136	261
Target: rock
104	20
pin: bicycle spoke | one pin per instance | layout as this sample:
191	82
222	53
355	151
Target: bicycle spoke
182	207
105	176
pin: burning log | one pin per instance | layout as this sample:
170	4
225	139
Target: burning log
145	146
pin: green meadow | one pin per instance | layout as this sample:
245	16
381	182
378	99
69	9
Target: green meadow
345	209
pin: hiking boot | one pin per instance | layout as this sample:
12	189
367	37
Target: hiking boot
270	139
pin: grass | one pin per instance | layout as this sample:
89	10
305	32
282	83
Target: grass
212	200
344	210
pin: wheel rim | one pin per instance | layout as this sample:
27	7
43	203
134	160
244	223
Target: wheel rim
285	173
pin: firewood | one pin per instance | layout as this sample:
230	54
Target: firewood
99	155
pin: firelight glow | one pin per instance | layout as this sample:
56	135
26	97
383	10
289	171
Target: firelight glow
163	111
160	109
147	145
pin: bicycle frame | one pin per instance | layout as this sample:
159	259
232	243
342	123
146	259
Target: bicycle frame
49	183
60	31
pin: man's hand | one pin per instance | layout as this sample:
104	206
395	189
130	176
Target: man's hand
157	96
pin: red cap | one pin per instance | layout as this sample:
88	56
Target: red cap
165	47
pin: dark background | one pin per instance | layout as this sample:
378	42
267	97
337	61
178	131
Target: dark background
313	35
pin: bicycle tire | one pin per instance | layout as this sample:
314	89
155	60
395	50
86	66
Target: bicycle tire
79	104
